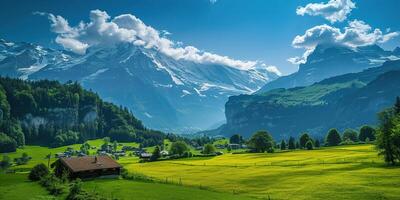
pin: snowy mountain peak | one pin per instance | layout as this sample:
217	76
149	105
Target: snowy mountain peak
166	93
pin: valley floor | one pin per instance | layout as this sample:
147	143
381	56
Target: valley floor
345	172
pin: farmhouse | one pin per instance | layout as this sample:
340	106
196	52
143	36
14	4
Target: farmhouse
87	167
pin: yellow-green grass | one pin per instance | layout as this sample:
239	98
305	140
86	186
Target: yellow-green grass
126	189
17	186
345	172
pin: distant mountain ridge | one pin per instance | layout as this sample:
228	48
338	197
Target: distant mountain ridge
345	101
332	60
166	94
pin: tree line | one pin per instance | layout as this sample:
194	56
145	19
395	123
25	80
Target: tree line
53	114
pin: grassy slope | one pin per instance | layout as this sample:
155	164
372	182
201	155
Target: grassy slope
125	189
38	153
17	186
348	172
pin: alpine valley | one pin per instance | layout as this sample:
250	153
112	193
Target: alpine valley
165	93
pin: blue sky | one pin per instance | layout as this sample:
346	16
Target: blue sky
261	30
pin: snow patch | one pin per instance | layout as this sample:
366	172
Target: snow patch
94	75
148	115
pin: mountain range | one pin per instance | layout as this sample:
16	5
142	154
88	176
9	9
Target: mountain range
329	60
165	93
345	101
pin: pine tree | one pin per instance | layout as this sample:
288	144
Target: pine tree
292	143
317	144
283	145
397	106
333	138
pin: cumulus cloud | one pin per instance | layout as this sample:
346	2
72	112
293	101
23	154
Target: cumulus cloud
105	30
333	11
356	34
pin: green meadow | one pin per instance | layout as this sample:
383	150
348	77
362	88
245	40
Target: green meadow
344	172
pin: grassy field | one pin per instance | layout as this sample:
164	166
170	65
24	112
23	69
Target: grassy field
125	189
346	172
17	186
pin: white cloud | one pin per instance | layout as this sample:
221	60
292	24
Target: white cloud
274	69
104	30
356	34
213	1
333	11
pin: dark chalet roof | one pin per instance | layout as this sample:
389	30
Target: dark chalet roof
87	163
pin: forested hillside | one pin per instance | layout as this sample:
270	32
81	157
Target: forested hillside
346	101
50	113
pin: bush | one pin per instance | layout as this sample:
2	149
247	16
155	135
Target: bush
5	162
38	172
7	144
178	147
208	149
52	184
24	159
187	154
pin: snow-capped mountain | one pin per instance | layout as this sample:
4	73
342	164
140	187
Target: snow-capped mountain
167	94
332	60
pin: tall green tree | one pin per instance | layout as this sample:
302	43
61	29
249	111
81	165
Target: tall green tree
236	139
261	141
292	143
317	143
208	149
367	132
350	134
156	154
283	145
388	136
304	139
333	138
178	148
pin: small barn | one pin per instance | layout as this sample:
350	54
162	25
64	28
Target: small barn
87	167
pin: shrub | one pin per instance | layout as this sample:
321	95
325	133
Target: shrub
178	147
52	184
7	144
208	149
38	172
24	159
5	162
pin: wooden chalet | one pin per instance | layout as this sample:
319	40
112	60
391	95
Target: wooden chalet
87	167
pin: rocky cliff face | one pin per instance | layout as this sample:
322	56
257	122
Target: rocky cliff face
346	101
